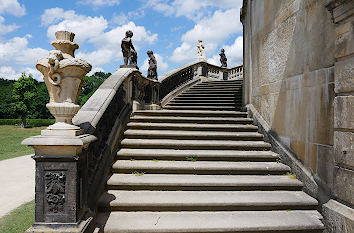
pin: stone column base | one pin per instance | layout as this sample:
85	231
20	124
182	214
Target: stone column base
83	226
138	106
338	218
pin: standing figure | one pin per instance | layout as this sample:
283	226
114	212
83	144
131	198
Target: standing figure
223	58
129	53
201	52
152	71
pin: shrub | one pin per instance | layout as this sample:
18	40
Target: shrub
30	122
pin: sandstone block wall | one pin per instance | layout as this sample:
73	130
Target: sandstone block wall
299	76
291	48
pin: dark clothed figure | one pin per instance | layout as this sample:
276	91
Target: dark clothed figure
223	58
152	71
129	53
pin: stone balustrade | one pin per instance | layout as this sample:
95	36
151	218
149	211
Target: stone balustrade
73	164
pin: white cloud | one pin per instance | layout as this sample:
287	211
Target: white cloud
212	30
99	3
16	57
12	7
94	70
6	28
192	9
7	72
54	15
234	53
119	19
94	30
84	27
162	66
16	51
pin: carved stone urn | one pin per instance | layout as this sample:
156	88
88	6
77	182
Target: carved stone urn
63	76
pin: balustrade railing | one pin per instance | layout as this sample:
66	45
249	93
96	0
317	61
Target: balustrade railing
79	160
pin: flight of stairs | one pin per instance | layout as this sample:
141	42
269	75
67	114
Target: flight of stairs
201	166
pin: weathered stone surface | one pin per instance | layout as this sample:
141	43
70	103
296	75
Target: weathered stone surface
343	112
344	148
344	73
344	185
338	218
344	39
325	164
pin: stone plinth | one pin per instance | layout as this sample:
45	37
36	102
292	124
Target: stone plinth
61	183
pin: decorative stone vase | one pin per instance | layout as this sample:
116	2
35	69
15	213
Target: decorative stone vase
63	76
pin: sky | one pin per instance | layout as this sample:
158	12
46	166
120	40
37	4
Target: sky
170	28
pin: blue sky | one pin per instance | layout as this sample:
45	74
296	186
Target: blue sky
171	28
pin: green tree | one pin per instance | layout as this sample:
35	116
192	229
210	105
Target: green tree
6	99
23	93
38	109
91	84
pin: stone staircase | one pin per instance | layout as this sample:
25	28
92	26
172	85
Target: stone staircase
199	165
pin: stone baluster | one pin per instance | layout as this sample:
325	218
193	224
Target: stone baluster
61	149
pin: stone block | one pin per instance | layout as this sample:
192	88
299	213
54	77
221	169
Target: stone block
338	218
325	164
344	184
344	149
343	112
344	45
344	73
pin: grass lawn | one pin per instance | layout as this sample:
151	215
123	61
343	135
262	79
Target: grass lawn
18	220
11	138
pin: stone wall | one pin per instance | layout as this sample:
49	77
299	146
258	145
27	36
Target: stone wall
291	45
298	75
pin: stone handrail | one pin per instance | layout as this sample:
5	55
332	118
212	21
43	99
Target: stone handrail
105	116
183	74
177	77
217	72
78	162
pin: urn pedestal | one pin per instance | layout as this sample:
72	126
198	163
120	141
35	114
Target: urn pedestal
61	149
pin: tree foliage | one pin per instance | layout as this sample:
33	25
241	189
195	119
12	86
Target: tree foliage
23	93
91	84
27	97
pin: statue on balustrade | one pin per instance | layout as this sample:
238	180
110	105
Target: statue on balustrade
152	71
223	58
201	53
129	53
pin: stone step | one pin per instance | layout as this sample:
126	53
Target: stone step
203	102
194	144
200	155
214	89
200	167
210	94
220	108
219	85
190	113
194	135
140	181
123	200
299	221
195	120
193	126
196	103
207	101
222	81
220	98
210	91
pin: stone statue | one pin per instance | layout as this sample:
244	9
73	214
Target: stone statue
223	58
129	53
201	52
152	71
63	76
